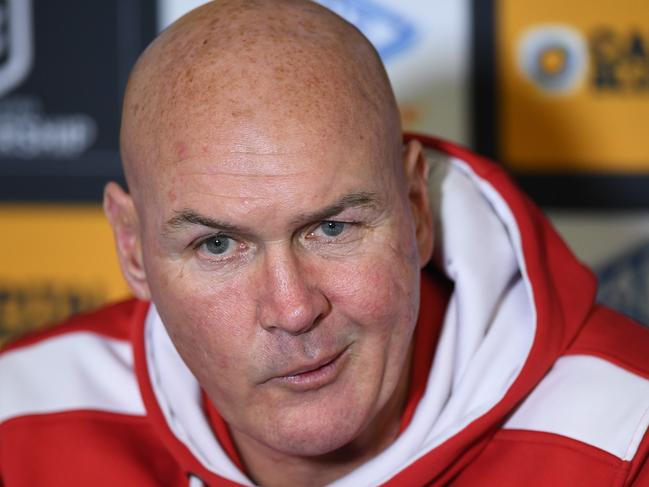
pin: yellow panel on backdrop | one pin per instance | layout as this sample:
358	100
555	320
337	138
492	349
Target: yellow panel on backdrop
573	84
55	261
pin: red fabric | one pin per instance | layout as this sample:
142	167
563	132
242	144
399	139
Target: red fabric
515	457
85	448
615	338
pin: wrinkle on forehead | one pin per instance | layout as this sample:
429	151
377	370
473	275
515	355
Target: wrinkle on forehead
279	69
242	174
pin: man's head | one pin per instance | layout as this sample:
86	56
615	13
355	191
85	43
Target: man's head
275	219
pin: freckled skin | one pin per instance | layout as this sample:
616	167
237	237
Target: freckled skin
257	113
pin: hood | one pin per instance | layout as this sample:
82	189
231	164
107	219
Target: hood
519	299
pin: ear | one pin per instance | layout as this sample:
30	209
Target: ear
120	211
416	171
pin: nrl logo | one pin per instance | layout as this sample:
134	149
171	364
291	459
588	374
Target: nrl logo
16	43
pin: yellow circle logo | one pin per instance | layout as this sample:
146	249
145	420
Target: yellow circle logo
553	58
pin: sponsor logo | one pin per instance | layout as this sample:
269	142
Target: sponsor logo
16	43
390	32
553	57
557	59
25	307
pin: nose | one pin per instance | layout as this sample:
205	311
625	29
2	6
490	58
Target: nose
291	300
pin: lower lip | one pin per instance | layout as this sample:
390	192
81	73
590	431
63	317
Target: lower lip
314	379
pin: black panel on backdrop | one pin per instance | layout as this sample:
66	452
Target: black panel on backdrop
63	69
483	79
551	188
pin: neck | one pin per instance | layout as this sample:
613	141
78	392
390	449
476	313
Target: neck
262	462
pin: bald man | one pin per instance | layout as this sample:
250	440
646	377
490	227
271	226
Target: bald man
282	332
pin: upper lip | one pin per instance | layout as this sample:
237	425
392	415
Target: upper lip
310	366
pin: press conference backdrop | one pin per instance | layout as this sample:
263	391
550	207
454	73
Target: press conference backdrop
557	91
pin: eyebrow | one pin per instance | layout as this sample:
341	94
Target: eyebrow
190	217
352	200
187	216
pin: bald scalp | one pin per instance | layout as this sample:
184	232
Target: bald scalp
269	63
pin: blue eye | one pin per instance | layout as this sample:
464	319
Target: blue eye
332	229
217	245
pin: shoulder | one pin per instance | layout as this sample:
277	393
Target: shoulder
85	363
597	393
616	339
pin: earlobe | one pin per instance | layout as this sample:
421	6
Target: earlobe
417	170
120	211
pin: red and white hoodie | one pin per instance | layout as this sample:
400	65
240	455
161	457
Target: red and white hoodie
531	382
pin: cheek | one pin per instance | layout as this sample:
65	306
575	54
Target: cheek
379	292
380	286
208	325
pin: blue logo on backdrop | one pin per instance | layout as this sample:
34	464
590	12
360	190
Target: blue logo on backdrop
389	32
624	283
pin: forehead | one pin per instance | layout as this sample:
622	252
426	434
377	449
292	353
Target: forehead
275	129
263	116
280	164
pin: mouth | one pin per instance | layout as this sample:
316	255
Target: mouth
315	375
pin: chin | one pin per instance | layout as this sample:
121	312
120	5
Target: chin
307	442
313	433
